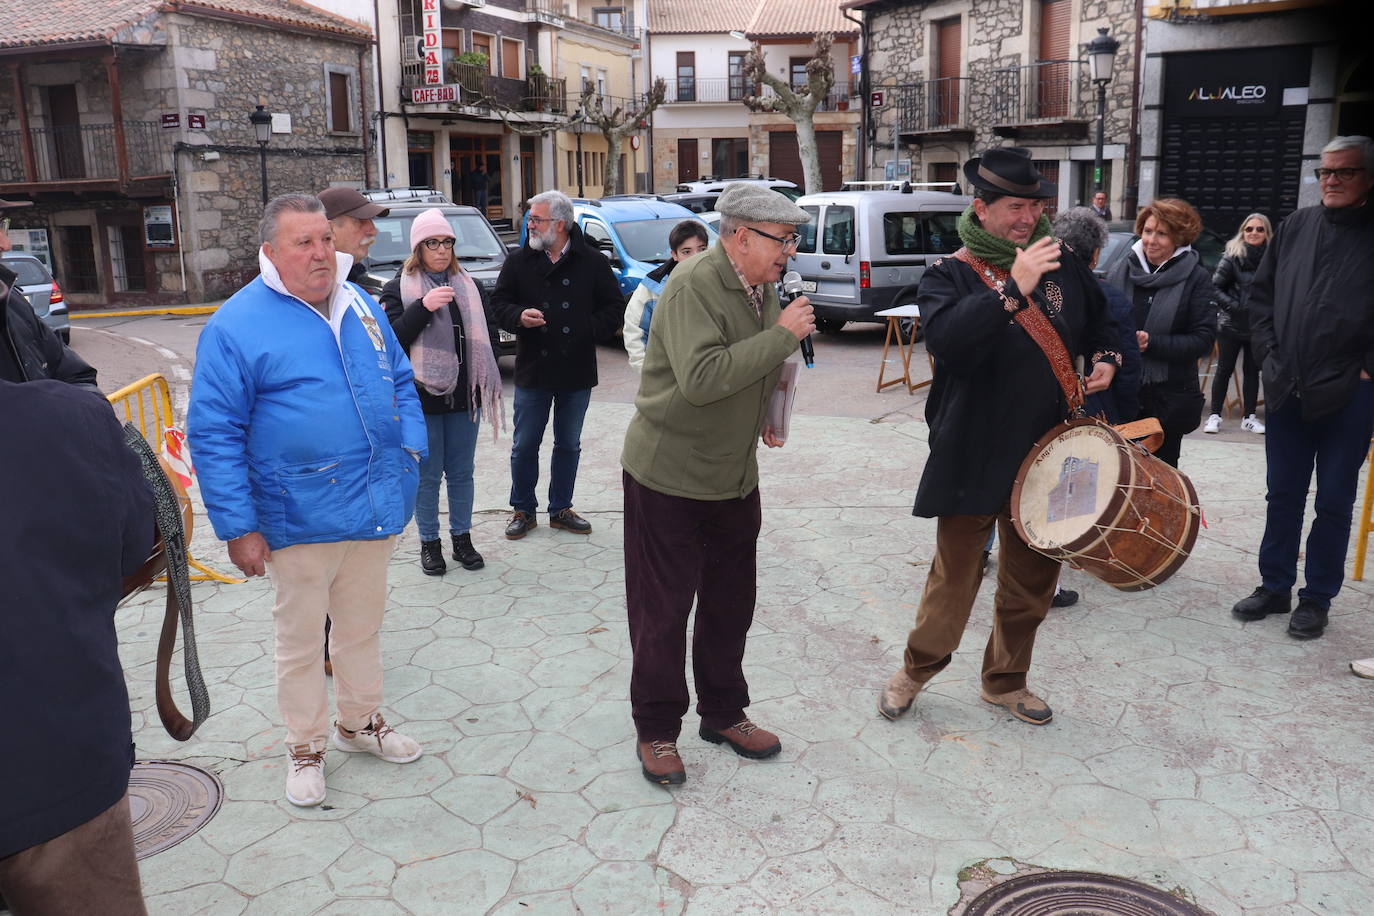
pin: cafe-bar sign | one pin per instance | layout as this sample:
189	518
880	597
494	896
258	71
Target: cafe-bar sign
434	65
422	95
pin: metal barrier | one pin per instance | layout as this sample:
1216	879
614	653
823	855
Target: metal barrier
1366	518
147	404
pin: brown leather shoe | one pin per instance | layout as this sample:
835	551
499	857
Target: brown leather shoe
745	738
660	763
1022	704
898	695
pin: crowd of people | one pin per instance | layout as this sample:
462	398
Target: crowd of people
326	412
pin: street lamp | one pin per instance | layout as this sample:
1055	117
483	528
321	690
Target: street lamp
1101	55
262	127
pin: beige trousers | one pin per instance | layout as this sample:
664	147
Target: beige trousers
345	580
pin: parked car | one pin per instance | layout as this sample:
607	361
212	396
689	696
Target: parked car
475	244
38	286
1121	236
865	251
632	232
697	202
710	184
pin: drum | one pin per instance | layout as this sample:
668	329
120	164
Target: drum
1094	500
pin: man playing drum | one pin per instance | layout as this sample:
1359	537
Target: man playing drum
994	394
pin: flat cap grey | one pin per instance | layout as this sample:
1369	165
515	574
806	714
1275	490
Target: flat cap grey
757	204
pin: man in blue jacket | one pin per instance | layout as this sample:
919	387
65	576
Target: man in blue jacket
307	435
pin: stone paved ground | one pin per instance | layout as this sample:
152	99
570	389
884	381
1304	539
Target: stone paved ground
1187	750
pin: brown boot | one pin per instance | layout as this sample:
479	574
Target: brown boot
660	763
1022	704
745	738
898	695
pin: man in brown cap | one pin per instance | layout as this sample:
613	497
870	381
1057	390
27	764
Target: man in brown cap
692	513
993	395
351	214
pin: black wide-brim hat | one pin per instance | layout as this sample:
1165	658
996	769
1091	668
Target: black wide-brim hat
1008	170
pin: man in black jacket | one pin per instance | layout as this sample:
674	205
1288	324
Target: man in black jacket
994	394
559	296
78	517
29	349
1312	331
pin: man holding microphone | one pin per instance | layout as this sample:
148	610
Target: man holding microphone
692	511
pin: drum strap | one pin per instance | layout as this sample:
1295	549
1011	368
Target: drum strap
1034	323
167	511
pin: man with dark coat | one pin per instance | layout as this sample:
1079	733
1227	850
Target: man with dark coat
559	296
29	349
993	395
1312	331
78	518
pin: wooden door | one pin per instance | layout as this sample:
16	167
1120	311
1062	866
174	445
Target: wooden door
945	95
1053	79
687	159
510	59
70	157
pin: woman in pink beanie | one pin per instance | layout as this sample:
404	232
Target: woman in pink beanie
437	314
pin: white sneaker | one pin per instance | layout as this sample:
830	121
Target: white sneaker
304	775
1363	667
379	740
1252	424
1213	424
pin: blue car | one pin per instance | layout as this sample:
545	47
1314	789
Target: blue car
633	233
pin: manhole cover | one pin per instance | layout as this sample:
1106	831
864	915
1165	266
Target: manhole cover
168	802
1077	893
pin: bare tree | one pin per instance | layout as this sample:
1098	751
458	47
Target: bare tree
799	103
617	119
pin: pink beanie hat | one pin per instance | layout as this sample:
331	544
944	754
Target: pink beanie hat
430	225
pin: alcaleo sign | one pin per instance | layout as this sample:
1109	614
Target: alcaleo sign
1229	93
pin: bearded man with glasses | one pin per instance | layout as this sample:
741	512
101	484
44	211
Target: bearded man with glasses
557	294
692	511
1312	331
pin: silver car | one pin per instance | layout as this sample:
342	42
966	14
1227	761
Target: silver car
44	295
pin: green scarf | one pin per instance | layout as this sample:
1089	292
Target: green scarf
998	252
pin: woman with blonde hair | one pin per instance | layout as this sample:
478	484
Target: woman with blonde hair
437	314
1173	304
1233	276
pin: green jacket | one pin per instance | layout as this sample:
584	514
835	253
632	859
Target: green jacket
709	371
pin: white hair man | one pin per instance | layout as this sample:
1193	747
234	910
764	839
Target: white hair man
558	295
307	434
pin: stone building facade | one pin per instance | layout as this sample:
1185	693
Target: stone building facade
959	76
130	132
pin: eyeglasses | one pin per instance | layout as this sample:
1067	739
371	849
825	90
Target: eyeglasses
436	244
1342	174
1254	228
541	219
791	240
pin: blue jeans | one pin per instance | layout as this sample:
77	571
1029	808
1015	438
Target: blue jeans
1336	445
452	444
531	416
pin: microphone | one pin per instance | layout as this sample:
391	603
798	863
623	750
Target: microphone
791	291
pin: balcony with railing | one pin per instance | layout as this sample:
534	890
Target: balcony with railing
728	89
937	107
479	88
618	20
1046	96
87	153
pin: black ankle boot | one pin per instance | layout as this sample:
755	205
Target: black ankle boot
432	558
464	553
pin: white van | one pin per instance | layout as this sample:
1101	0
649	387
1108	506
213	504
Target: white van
865	251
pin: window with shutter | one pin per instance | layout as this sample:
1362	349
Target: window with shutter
1053	75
